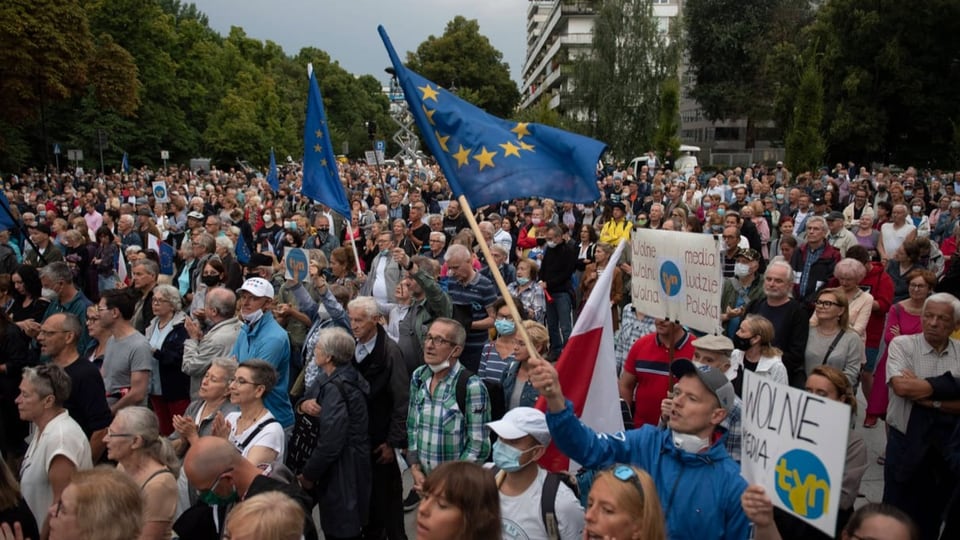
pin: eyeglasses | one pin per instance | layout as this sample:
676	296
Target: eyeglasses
916	286
625	473
238	381
113	434
827	303
437	340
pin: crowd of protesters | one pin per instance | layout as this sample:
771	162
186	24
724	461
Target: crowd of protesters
156	353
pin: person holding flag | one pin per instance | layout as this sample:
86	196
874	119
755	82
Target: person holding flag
696	479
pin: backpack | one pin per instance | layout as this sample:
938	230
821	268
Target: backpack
494	391
548	498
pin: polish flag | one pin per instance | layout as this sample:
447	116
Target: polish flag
121	266
588	369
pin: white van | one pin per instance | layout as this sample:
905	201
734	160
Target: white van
684	163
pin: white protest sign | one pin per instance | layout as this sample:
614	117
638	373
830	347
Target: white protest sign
160	191
677	276
795	446
296	264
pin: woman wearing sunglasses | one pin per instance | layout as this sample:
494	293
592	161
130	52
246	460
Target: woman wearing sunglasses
623	503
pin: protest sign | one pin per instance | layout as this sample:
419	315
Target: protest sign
795	446
296	264
677	276
160	192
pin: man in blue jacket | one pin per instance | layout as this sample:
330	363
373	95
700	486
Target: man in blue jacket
699	485
262	337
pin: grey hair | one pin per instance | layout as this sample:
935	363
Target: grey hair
457	250
226	363
224	242
170	294
850	267
338	344
366	304
150	266
71	323
207	241
459	333
222	300
944	298
127	218
143	423
57	271
779	261
813	219
49	380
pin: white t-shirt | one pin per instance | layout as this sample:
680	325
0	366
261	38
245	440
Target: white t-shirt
271	436
893	237
522	519
61	437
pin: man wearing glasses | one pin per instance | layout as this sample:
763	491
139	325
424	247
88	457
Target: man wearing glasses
434	435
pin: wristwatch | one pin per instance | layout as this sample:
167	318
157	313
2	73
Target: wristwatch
937	404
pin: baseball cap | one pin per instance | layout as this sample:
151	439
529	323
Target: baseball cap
819	200
258	287
520	422
835	216
714	343
195	215
259	259
42	227
748	254
713	379
144	211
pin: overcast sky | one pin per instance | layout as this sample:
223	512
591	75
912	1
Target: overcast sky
347	29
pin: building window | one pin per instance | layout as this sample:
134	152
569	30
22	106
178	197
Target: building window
727	134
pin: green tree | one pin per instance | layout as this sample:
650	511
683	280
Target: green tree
616	84
667	136
805	142
890	79
464	58
541	113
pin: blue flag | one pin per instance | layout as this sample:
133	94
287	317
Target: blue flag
321	179
489	159
6	218
167	253
273	177
125	164
242	250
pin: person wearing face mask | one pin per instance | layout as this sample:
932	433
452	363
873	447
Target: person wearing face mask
527	238
261	337
384	273
269	234
918	217
754	351
223	477
322	239
498	353
438	430
740	290
523	439
617	228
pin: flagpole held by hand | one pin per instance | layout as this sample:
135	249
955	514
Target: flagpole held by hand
353	241
495	270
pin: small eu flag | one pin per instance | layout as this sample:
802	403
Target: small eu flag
242	250
125	164
321	179
273	177
6	217
489	159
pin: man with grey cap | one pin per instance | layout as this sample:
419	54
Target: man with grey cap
715	351
523	439
838	235
695	477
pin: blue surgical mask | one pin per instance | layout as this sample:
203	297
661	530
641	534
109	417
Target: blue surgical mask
507	458
505	327
721	211
523	281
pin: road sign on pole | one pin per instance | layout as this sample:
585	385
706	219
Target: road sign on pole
164	155
75	155
56	148
380	146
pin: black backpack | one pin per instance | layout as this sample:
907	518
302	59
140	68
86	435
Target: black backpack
548	499
494	390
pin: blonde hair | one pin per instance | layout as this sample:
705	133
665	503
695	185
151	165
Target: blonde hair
538	335
110	504
641	502
268	516
761	326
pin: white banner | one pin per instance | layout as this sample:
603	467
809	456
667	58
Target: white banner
677	276
795	446
160	191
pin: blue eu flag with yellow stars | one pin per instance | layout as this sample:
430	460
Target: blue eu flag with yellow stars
489	159
321	179
273	175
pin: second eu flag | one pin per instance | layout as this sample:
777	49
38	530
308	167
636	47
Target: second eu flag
321	179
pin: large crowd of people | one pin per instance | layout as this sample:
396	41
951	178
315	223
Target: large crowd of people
163	375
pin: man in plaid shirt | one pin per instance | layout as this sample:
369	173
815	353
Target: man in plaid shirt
437	430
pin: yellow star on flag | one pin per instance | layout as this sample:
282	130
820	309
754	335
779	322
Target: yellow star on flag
525	146
429	114
485	158
442	141
319	133
428	92
463	156
521	130
317	148
323	162
509	149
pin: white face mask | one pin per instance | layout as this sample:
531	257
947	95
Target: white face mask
252	318
741	269
436	368
917	209
690	443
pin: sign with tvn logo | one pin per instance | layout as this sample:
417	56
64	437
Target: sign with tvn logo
795	446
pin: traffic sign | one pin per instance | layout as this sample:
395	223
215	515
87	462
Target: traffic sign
164	154
56	148
380	146
75	155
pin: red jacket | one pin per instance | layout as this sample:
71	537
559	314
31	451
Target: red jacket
879	284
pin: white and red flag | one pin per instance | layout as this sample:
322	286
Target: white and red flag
588	369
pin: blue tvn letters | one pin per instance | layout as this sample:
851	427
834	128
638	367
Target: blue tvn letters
803	484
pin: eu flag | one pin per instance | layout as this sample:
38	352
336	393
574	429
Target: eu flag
273	177
167	253
489	159
6	217
242	250
125	164
321	179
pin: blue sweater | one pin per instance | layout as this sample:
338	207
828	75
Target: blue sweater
268	341
700	493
